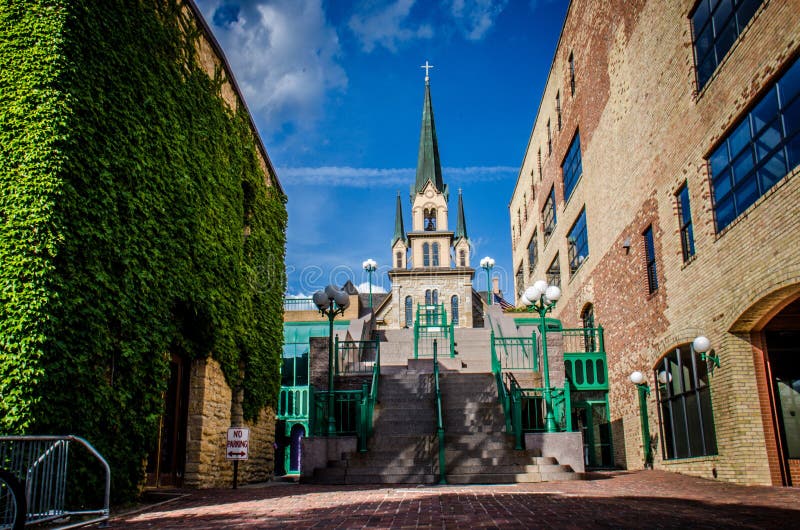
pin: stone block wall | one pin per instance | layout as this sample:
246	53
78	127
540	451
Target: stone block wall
208	423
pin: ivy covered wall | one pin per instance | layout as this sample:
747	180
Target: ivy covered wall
135	220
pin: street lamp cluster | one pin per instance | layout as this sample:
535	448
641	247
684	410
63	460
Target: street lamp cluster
542	298
487	264
331	302
370	266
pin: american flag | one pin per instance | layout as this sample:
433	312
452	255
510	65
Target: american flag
497	299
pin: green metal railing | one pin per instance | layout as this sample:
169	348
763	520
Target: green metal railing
431	326
585	358
356	356
353	409
293	402
515	353
299	304
439	419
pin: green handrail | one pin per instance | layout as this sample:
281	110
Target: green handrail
356	356
439	420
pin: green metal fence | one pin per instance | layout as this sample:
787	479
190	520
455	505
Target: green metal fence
583	340
356	356
585	358
431	325
439	419
293	403
515	353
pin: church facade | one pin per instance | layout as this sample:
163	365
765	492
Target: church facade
431	262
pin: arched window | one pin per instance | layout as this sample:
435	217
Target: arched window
587	317
462	258
428	297
684	399
436	254
430	219
435	297
409	312
399	257
454	308
426	255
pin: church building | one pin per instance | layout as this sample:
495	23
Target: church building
431	263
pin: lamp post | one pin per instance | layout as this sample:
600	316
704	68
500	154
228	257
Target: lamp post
487	264
637	378
331	302
542	298
370	265
702	346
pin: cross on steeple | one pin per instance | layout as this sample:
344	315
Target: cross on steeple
427	67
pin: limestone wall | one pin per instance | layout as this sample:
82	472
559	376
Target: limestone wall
208	423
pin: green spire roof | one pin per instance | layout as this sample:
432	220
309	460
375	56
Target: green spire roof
399	232
428	166
461	224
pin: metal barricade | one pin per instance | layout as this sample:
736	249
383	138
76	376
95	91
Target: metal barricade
41	464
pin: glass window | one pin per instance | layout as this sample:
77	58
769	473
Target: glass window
436	254
558	109
549	139
430	219
533	253
587	318
409	312
760	150
540	163
426	255
435	297
554	273
687	422
716	24
685	223
520	281
549	215
650	256
462	258
454	308
578	243
571	168
399	257
571	74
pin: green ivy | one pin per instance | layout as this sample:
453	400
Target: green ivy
126	184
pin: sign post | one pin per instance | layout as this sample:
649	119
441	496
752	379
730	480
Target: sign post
237	448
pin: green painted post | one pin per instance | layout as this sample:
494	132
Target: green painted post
336	353
495	363
644	391
516	401
331	397
568	406
363	428
600	339
416	340
550	423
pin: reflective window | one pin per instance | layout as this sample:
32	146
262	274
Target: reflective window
533	253
571	168
549	215
554	273
426	255
454	308
571	74
716	24
759	151
436	254
687	421
685	223
409	312
650	256
578	243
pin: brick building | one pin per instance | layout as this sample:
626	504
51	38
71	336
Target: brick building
658	188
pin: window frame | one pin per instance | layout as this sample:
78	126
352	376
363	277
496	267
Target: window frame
650	259
572	166
454	309
435	254
572	73
533	257
549	217
685	226
553	273
674	394
558	109
409	308
574	256
426	254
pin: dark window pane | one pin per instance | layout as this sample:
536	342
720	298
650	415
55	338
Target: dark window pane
791	117
700	17
719	159
742	165
721	13
746	195
769	139
790	83
794	151
725	39
722	185
704	46
745	12
725	212
765	111
740	138
772	171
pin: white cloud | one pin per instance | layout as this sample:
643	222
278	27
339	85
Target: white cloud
476	17
388	26
363	288
284	55
384	177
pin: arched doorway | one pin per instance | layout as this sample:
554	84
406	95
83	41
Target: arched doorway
781	339
295	448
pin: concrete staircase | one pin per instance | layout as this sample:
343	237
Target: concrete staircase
473	349
477	450
402	449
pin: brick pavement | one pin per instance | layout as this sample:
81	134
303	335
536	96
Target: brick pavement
652	499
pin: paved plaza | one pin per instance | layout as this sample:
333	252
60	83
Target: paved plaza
643	499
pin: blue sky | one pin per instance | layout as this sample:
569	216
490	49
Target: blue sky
336	90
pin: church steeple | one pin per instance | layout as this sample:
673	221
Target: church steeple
461	224
428	166
399	231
